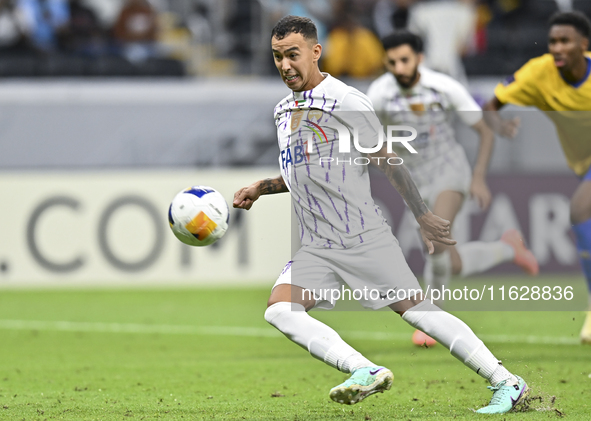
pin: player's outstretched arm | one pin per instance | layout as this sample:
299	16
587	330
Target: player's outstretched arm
246	196
433	228
505	128
479	189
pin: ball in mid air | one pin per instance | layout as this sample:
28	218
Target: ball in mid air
199	216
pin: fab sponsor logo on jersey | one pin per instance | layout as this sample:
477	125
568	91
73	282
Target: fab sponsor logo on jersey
314	131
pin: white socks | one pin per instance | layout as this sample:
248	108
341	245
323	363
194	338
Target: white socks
478	256
326	345
456	336
437	272
319	339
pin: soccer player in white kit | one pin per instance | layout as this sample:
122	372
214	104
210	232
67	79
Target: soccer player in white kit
409	93
343	234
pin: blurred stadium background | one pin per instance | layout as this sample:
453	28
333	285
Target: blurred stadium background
110	107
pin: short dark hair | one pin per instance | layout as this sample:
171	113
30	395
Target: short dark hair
402	37
295	25
578	20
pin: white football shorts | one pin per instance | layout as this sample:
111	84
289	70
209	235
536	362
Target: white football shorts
375	271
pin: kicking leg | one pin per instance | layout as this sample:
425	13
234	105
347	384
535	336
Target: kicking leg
463	344
440	265
475	256
480	256
470	258
445	260
287	311
580	214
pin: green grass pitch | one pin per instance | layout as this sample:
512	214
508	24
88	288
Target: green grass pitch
208	354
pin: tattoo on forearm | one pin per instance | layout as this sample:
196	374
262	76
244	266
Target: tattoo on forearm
400	178
273	185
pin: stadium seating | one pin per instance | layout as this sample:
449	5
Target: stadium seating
58	65
514	39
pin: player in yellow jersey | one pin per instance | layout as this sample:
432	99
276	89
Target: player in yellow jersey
559	84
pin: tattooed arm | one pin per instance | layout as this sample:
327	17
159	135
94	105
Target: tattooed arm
246	196
433	228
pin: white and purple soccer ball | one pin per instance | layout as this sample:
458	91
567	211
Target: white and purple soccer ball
199	216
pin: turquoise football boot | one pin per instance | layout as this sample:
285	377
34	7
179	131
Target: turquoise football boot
505	398
363	382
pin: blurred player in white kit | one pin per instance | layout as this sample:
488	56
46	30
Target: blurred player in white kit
345	239
409	93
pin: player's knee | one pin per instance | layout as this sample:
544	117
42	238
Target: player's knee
415	314
271	301
286	293
281	310
403	306
274	310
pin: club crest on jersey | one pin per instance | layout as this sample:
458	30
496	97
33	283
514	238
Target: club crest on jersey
315	115
296	119
417	108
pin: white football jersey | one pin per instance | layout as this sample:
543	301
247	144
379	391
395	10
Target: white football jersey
330	187
429	107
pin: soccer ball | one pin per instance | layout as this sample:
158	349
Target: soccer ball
198	216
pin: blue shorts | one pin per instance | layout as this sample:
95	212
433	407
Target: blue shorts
587	176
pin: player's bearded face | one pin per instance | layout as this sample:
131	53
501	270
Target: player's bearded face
403	63
296	60
566	46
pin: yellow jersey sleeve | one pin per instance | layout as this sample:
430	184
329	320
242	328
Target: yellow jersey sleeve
522	87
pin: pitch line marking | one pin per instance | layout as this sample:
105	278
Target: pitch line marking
64	326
